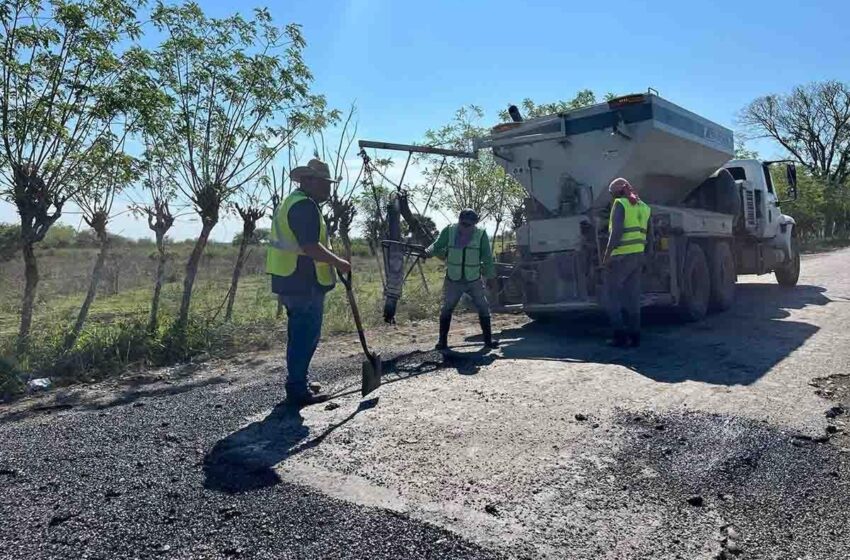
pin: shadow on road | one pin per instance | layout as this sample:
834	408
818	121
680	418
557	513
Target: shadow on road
245	460
736	347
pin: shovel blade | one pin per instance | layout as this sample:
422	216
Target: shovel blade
372	370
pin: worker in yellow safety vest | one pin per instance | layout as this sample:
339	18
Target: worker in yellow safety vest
466	250
629	230
301	267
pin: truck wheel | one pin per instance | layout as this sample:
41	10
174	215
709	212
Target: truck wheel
696	285
723	277
789	273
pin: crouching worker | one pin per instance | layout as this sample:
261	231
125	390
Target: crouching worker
629	229
466	250
302	272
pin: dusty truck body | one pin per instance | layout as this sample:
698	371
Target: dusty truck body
713	218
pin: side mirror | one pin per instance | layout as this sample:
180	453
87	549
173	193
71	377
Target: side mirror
791	176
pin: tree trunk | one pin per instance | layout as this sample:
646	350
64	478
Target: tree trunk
158	281
191	272
96	274
234	282
28	302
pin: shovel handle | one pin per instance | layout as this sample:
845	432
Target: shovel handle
345	279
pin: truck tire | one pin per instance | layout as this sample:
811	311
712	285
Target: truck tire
788	275
695	285
723	277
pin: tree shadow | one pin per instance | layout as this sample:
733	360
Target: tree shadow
245	460
80	399
736	347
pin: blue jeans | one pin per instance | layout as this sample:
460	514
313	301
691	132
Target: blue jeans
304	327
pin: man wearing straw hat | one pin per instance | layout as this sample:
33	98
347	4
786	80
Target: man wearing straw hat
302	266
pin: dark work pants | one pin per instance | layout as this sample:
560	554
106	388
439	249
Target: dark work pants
303	329
622	292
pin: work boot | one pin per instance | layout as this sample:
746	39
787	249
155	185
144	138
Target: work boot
634	339
620	340
305	400
487	331
445	325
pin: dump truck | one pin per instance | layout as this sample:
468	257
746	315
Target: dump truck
714	218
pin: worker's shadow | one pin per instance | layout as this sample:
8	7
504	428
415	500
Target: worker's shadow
736	347
245	460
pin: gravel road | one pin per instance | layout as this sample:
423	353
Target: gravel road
723	439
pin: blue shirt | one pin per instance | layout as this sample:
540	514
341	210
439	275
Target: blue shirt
303	219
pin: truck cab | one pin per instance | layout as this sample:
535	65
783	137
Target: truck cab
761	225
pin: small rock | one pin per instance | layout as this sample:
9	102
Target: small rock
835	411
164	548
40	384
733	546
733	535
491	509
594	425
831	430
138	404
660	427
833	474
229	512
581	417
332	406
696	501
232	551
315	387
113	493
171	436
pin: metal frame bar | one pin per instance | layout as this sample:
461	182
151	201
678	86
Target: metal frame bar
416	149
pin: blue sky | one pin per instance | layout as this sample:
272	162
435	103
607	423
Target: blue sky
410	65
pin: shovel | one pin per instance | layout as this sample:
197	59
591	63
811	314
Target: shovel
372	367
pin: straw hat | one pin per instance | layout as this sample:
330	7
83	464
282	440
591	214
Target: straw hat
314	168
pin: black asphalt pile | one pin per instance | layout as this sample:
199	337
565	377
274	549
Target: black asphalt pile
763	492
151	477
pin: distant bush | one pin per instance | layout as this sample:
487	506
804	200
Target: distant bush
10	241
59	236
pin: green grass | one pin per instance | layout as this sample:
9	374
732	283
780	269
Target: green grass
115	335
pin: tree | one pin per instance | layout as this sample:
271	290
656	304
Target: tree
250	205
71	76
742	152
812	124
159	185
371	202
260	237
241	91
480	184
529	109
115	171
340	207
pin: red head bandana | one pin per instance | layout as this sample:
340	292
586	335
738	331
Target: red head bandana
621	187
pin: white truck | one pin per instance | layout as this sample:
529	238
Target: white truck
714	218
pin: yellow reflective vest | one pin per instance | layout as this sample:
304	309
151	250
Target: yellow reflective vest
283	249
636	220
